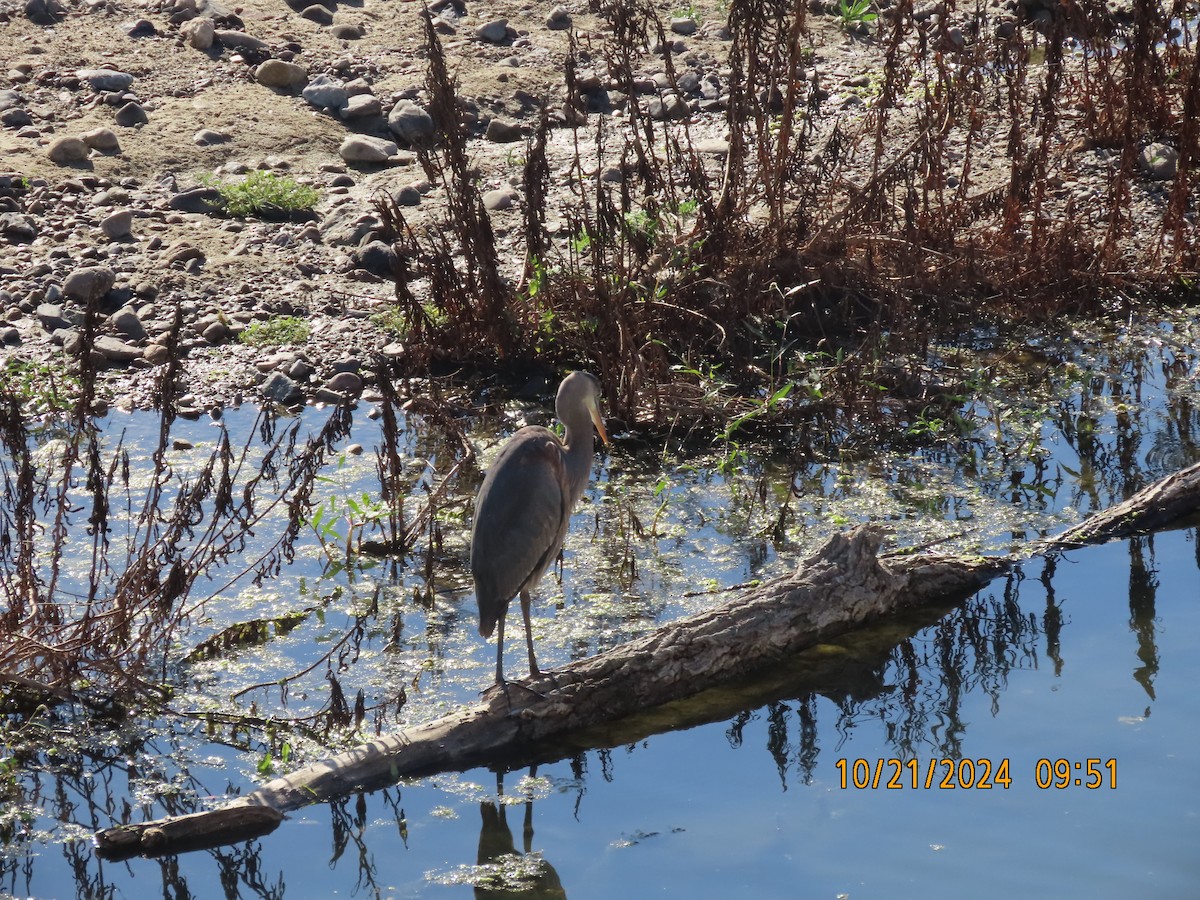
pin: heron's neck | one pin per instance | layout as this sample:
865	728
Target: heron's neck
580	449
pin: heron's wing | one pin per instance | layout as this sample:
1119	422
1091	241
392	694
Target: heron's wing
521	517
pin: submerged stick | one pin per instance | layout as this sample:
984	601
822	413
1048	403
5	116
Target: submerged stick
842	587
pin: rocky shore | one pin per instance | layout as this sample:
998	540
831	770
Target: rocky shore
119	120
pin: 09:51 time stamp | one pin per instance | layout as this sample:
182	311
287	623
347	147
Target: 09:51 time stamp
972	774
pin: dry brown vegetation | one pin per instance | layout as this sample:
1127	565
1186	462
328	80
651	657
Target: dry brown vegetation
955	205
107	561
108	635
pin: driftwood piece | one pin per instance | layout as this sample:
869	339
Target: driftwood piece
844	586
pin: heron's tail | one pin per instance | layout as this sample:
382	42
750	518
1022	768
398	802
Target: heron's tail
487	623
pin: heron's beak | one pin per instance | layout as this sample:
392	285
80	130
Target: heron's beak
599	423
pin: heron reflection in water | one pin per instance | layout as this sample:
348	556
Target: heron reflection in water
524	507
524	874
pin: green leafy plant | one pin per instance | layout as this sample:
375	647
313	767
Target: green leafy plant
855	14
547	332
266	763
340	521
662	491
665	222
768	405
9	770
265	193
356	513
927	425
690	11
707	375
399	322
45	386
581	242
642	224
539	277
276	332
735	458
393	319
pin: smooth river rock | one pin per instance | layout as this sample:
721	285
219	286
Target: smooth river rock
501	198
501	131
105	79
275	73
117	224
239	40
1160	160
115	349
197	200
131	114
88	283
411	123
494	32
199	32
364	149
102	140
347	384
67	151
326	92
126	321
361	106
281	389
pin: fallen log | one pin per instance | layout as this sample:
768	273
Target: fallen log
845	586
1165	503
195	831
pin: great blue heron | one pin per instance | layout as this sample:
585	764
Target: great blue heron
524	507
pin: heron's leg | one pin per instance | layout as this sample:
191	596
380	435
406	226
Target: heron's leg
527	832
500	654
534	672
500	682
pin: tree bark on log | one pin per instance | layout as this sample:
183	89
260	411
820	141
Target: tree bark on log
844	586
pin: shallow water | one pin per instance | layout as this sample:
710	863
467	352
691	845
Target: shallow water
756	799
1092	655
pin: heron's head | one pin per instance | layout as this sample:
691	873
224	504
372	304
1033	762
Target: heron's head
581	390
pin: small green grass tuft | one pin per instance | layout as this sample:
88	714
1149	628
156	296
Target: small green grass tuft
399	323
267	194
276	332
689	11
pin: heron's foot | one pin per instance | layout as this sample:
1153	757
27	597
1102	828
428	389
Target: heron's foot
527	688
504	685
538	674
498	685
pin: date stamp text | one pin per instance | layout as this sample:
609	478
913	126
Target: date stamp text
972	774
